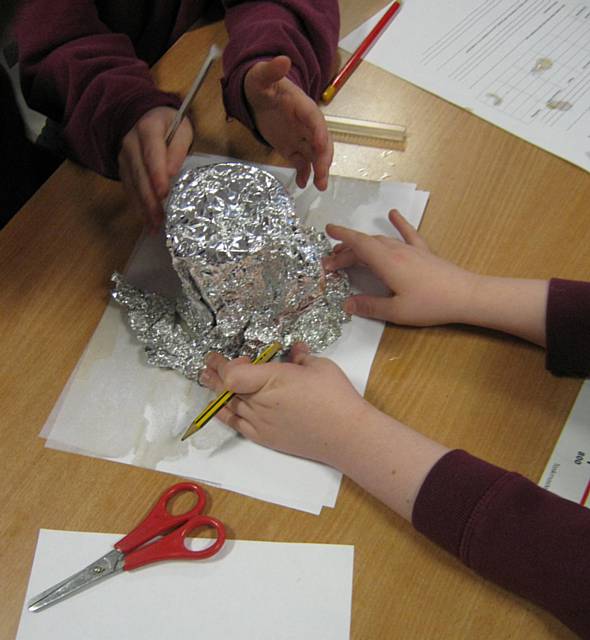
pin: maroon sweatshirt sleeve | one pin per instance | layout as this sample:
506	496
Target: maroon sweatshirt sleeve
83	76
511	531
568	328
305	30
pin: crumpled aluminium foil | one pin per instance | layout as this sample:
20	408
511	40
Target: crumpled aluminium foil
250	271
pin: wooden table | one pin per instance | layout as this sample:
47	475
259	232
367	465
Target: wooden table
498	205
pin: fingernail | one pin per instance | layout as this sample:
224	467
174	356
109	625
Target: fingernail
205	378
348	306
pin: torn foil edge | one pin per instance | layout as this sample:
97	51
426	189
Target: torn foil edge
179	333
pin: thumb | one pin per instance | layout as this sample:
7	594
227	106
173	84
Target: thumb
299	353
265	74
378	308
245	378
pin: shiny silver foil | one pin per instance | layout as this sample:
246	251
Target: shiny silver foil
251	273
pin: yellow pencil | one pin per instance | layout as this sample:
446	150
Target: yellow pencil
267	354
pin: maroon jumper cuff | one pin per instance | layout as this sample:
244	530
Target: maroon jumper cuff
568	328
449	497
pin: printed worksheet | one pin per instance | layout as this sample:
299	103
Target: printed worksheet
523	65
568	471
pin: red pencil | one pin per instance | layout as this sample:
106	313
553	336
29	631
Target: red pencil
355	59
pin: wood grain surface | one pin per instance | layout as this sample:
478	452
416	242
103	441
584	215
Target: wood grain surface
498	205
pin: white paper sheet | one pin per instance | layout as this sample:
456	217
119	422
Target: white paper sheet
250	591
568	471
520	64
117	407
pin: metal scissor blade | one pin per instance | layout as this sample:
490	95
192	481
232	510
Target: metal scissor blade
104	567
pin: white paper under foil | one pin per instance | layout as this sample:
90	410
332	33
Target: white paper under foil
117	407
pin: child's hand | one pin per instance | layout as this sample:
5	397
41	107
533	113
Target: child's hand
289	120
306	407
146	165
426	290
309	408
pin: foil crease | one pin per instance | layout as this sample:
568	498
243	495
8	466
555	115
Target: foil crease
251	273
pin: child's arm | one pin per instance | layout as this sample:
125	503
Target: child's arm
80	74
90	81
334	424
428	290
279	59
498	523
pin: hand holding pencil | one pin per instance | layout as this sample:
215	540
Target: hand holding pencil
296	407
146	164
153	151
216	405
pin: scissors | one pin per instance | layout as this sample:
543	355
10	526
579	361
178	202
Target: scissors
143	546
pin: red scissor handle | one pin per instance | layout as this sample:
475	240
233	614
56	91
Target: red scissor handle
159	519
172	546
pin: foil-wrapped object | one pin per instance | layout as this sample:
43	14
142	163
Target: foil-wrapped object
251	273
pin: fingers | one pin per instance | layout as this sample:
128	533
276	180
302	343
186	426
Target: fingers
406	230
213	374
239	376
151	132
302	167
378	308
322	162
238	423
299	353
355	239
136	181
366	249
322	146
345	235
341	259
146	164
289	120
236	410
235	375
178	149
210	378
